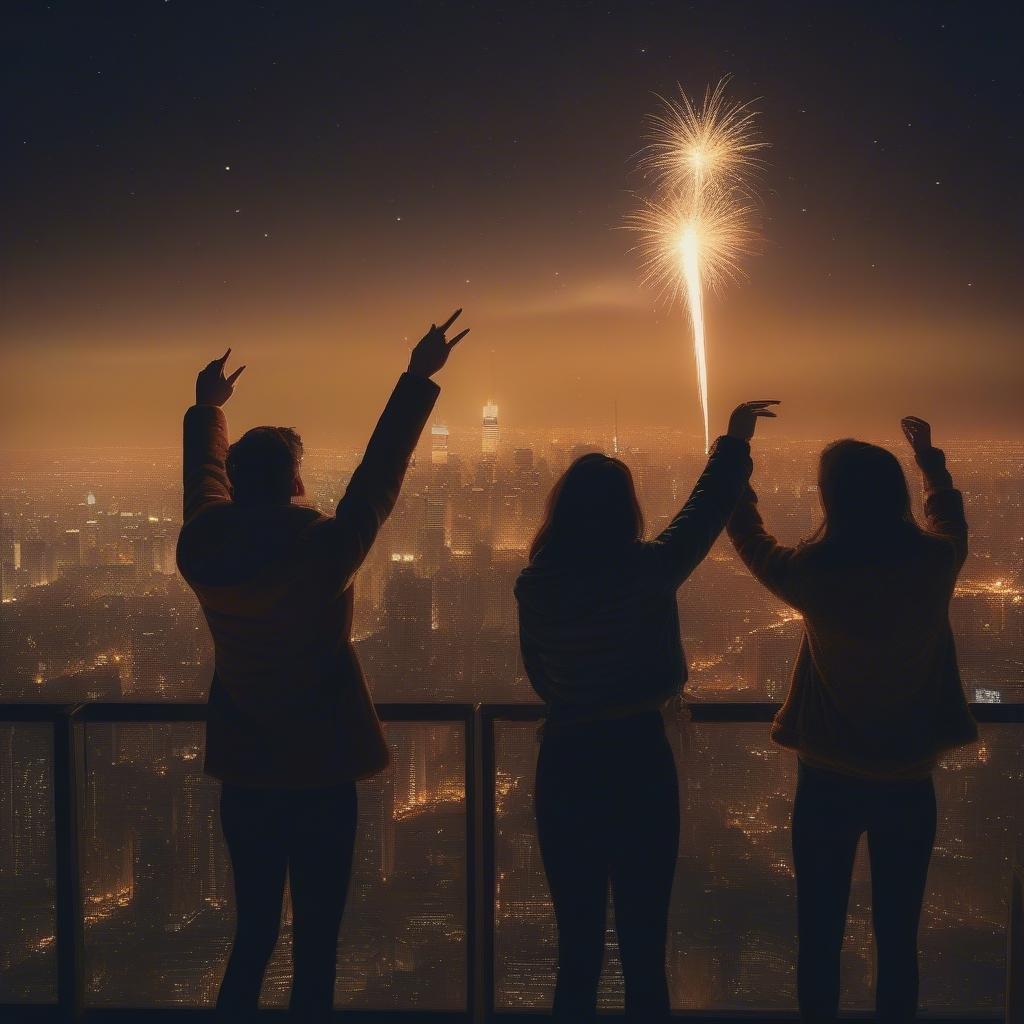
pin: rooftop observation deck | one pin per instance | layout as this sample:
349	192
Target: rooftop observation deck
117	897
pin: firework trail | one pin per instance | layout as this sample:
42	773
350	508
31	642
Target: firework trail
694	235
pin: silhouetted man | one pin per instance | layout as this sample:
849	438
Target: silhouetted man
290	725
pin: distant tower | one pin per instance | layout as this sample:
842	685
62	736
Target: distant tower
69	550
489	438
439	445
34	559
615	428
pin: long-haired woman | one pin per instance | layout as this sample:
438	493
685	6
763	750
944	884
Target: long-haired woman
599	633
875	699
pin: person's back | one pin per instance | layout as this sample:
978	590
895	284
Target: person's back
599	635
875	699
290	723
879	645
604	634
256	570
289	706
876	690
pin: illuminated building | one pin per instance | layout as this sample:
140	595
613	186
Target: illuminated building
439	445
489	435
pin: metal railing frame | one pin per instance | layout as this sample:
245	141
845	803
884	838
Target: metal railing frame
478	724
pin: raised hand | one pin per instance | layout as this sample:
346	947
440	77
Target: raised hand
212	387
432	351
918	432
744	418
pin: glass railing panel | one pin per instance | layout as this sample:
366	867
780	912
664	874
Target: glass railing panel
28	949
157	882
732	939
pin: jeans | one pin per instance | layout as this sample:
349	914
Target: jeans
607	806
830	814
307	835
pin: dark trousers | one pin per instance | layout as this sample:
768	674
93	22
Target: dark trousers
308	836
607	805
829	816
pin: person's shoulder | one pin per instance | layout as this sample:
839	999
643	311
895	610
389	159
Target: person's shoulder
536	579
937	548
304	514
643	550
642	560
810	547
214	515
311	522
808	555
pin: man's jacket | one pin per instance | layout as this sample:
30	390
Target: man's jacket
289	706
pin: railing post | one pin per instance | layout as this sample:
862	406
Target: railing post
70	933
1015	946
485	873
473	831
481	823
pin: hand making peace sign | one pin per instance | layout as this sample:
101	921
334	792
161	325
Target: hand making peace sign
433	350
212	387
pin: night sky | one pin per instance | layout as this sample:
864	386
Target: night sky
313	183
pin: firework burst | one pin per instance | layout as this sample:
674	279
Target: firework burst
713	146
695	234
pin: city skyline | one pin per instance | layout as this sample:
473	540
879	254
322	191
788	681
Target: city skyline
108	617
473	499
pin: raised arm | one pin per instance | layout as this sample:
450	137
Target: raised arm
943	503
205	440
684	543
377	481
770	563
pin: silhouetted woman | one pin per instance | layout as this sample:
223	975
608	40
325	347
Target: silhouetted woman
876	697
599	631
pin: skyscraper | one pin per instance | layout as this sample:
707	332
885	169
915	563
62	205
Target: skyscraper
34	558
489	437
439	445
69	550
432	532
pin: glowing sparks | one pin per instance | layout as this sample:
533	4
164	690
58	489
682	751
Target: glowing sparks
695	235
718	224
715	143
